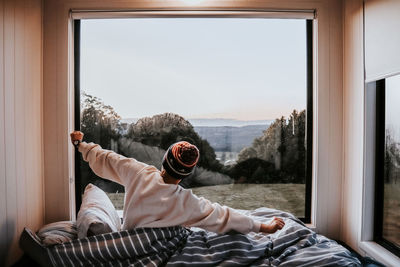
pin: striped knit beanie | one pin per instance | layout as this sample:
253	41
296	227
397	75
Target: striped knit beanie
180	159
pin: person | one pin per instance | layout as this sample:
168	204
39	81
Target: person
153	198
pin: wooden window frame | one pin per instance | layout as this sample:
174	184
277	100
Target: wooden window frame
307	15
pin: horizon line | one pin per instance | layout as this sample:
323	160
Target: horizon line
233	119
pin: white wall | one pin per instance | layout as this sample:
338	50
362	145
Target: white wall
21	175
379	59
353	122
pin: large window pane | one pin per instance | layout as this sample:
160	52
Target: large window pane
391	196
236	88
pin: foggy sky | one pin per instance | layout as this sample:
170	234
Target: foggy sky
248	69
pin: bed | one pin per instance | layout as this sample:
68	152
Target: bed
294	245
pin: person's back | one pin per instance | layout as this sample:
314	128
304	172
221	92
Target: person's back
153	198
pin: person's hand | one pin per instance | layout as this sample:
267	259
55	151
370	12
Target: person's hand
76	137
271	227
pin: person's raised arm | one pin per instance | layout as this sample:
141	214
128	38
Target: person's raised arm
221	219
106	163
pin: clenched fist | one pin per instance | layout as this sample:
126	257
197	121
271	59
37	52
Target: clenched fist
76	137
274	225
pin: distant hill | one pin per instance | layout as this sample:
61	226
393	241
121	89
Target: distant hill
229	138
213	122
227	122
224	135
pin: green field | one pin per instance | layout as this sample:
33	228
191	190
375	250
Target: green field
287	197
391	213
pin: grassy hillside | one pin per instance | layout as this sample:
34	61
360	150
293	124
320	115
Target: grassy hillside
391	216
287	197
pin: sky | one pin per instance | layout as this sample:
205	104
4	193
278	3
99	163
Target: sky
231	68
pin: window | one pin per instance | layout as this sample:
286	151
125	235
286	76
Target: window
387	181
240	89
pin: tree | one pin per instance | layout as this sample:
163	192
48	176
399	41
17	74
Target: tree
254	170
247	153
162	130
101	124
283	145
392	159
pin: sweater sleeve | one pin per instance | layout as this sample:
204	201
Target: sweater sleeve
110	165
216	218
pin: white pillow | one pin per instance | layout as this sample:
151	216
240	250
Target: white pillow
97	214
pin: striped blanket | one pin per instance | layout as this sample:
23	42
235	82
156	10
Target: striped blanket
294	245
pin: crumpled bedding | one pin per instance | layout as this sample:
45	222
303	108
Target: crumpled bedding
294	245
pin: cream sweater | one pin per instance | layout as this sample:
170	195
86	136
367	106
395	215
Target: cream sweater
149	202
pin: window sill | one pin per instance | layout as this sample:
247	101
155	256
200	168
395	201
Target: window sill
311	226
379	253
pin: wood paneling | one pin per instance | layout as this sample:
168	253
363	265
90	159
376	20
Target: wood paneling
3	200
21	156
335	114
